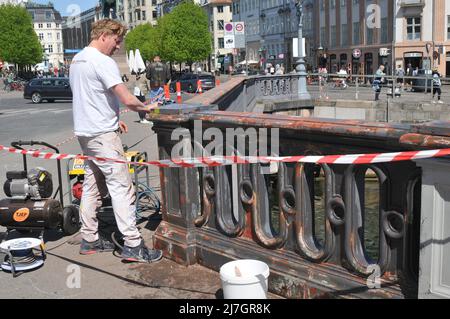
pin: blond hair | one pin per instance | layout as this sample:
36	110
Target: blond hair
108	27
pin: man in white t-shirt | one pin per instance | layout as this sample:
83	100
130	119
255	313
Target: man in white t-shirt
97	89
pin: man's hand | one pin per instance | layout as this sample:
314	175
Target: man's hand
151	106
123	127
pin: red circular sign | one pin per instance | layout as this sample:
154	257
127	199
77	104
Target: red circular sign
229	27
356	53
239	27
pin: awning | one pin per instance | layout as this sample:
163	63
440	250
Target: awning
249	62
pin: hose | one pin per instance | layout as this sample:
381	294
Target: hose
148	194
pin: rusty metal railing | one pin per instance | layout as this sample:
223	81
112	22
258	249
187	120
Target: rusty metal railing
212	215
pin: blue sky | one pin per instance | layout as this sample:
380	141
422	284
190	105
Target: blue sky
67	7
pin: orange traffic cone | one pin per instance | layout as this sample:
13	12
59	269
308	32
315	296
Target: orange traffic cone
217	82
167	92
178	92
199	87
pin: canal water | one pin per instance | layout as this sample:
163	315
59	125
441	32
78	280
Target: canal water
371	220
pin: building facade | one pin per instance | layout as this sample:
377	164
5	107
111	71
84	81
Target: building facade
355	34
47	24
249	13
389	32
423	27
271	26
135	12
279	25
219	12
76	31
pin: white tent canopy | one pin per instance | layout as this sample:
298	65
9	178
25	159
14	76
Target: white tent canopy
139	62
132	62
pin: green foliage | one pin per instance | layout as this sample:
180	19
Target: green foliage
19	43
181	36
186	36
146	38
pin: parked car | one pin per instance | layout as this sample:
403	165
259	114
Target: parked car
49	89
418	85
189	82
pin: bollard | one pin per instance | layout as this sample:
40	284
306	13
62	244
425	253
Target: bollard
167	92
357	89
199	87
217	82
432	88
178	85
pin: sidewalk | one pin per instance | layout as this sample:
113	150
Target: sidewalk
104	276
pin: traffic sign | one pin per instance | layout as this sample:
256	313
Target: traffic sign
239	28
356	53
229	42
229	28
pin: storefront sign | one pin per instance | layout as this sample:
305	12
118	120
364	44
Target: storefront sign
413	55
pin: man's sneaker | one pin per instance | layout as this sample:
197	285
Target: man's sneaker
98	246
140	254
145	121
440	102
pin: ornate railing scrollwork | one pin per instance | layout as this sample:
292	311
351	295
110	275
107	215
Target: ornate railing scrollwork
260	211
392	223
304	221
276	85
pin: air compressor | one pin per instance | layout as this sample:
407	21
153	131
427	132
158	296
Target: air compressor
31	204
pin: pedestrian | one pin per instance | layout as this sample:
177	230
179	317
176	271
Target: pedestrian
343	77
141	89
159	75
437	85
409	73
378	81
278	70
400	73
97	89
272	70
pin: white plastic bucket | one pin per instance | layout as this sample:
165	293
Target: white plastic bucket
245	279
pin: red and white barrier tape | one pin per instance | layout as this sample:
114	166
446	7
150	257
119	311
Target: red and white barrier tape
230	160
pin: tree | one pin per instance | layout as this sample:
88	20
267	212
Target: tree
19	43
185	34
146	38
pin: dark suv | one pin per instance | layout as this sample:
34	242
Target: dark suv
189	82
49	89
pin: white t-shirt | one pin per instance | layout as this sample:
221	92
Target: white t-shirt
95	107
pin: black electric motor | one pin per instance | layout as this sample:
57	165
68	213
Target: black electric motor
37	184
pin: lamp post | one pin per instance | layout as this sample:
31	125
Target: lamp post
302	91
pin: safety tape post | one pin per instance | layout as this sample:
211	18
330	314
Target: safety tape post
213	161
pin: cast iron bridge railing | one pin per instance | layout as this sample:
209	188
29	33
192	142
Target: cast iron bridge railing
213	215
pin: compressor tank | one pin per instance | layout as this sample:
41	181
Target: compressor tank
42	214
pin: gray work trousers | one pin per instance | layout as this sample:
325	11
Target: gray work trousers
103	177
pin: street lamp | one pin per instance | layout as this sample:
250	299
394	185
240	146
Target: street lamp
302	91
